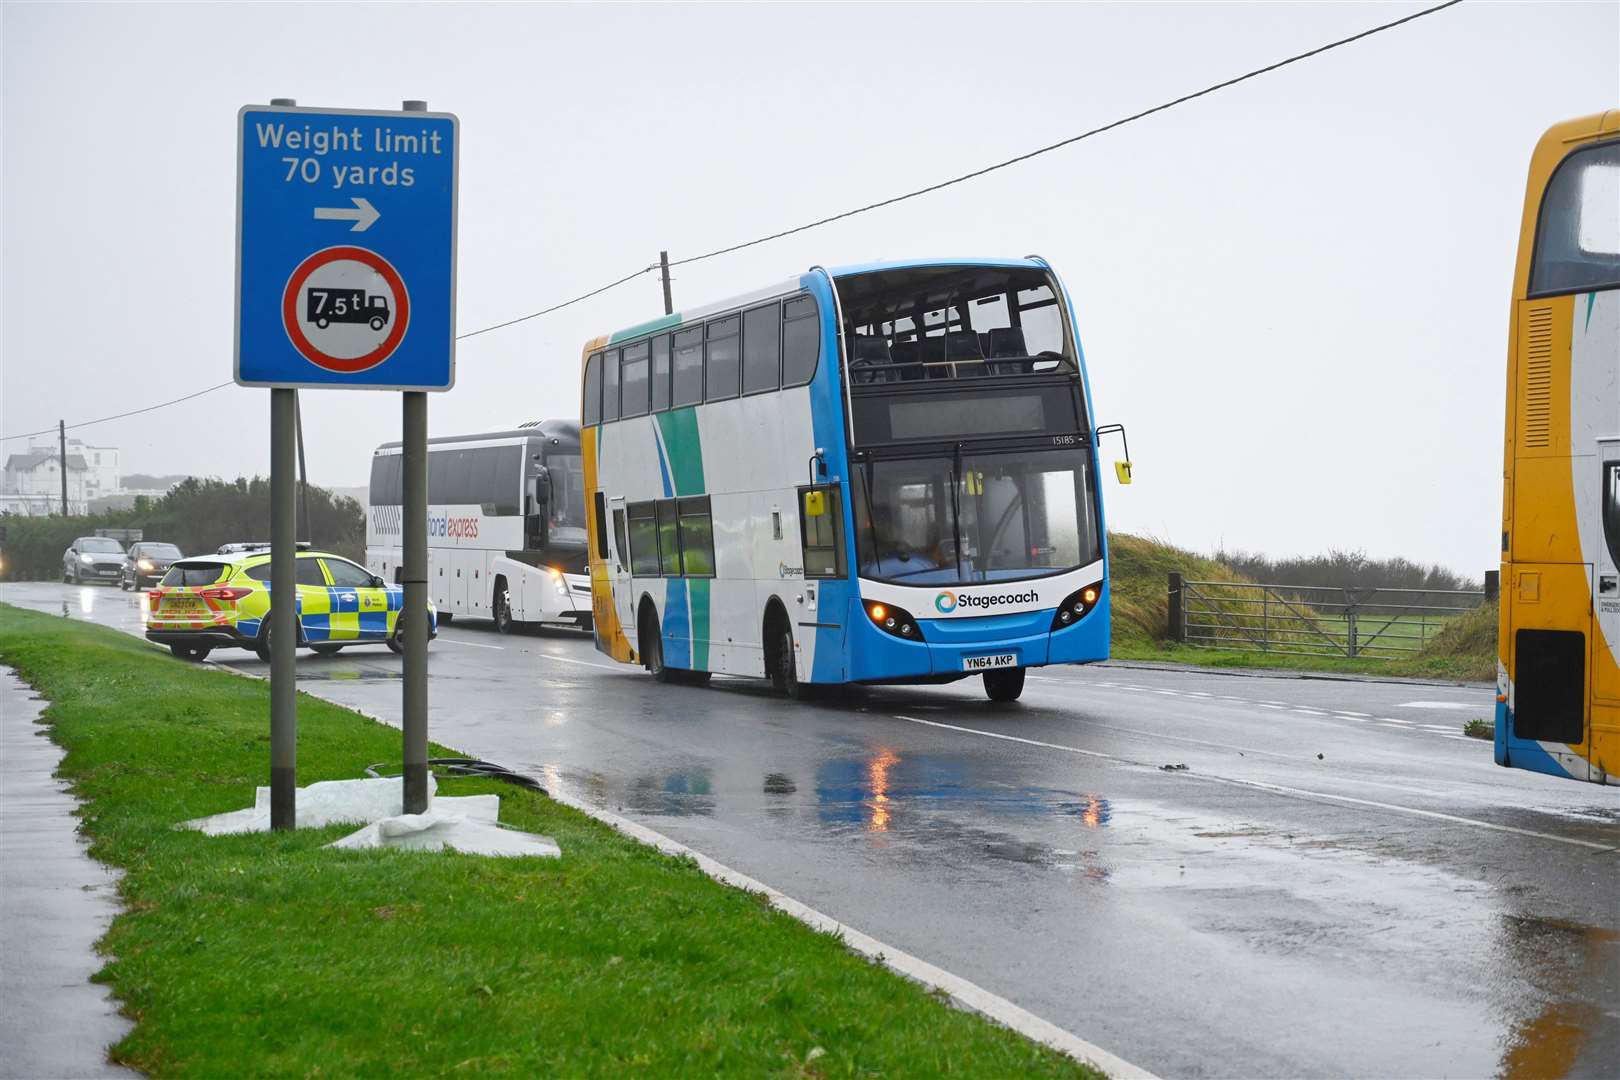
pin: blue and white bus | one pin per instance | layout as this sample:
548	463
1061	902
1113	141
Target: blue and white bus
874	474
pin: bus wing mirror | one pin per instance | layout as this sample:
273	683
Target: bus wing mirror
1122	469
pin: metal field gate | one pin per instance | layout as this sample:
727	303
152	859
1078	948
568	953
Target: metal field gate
1312	620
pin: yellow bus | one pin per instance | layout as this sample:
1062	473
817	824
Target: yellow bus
1558	674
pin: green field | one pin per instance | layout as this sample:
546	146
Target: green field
268	955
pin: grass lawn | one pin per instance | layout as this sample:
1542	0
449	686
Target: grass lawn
1461	669
269	955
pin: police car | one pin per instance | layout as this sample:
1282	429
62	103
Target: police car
223	601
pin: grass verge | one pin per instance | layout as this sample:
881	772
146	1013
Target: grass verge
269	955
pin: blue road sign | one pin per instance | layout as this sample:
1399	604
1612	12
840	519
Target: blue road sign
346	248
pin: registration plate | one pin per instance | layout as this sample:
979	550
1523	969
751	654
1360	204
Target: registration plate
983	663
181	603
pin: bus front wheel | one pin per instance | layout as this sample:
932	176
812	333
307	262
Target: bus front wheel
1004	684
784	666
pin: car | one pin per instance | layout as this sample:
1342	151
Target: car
209	602
93	558
147	561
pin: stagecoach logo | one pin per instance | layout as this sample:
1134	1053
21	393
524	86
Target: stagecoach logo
947	601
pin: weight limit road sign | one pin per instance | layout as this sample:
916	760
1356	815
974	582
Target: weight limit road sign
346	248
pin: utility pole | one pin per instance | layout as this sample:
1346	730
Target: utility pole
308	531
663	265
61	460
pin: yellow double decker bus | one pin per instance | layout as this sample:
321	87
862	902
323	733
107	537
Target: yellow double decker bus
1558	680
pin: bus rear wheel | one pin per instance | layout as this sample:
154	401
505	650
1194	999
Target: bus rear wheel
1004	684
501	607
652	649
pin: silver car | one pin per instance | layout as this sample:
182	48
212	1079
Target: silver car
93	558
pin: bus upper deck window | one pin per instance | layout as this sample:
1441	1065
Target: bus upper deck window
591	411
610	385
688	378
633	384
1578	234
723	360
801	340
660	373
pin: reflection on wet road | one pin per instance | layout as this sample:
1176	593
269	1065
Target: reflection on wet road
1336	883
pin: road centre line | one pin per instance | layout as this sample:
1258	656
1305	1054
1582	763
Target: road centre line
1319	796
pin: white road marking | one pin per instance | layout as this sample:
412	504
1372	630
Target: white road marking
1310	712
1393	720
469	644
1436	705
1320	796
1357	715
584	663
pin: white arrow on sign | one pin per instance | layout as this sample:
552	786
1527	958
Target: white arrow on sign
363	215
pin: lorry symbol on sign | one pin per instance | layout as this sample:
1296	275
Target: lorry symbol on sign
325	306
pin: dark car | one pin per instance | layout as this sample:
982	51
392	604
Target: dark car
93	558
147	562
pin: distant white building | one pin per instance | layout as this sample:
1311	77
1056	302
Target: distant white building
32	480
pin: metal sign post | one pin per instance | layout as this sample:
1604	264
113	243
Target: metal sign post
345	278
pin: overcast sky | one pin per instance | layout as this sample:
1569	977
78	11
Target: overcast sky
1294	293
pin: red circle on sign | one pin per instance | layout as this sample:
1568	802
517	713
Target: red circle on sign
301	342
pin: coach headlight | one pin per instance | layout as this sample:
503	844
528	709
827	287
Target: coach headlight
558	580
893	620
1075	606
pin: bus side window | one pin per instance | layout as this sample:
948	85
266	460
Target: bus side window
633	388
669	539
622	559
643	540
722	364
762	348
1611	508
600	532
660	373
801	340
697	537
610	385
688	367
1578	233
821	531
591	410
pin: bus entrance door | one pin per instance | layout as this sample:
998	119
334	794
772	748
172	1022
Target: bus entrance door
1606	589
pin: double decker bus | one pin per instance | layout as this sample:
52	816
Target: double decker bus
1558	683
875	474
506	525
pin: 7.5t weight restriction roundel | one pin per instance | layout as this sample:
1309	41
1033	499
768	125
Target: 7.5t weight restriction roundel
345	309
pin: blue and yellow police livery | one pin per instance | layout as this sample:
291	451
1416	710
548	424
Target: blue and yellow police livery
223	601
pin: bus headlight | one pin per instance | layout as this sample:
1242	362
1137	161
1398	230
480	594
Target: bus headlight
558	580
1075	606
893	620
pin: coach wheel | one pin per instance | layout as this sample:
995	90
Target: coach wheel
502	607
1004	684
198	653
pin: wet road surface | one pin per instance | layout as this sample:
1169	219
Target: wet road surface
1336	883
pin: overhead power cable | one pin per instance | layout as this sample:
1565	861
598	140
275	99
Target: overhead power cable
1071	140
122	415
892	200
